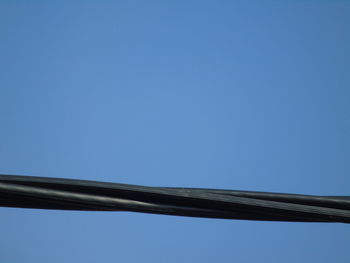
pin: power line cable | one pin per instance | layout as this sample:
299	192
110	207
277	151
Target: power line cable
69	194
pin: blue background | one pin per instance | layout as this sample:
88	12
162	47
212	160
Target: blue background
246	95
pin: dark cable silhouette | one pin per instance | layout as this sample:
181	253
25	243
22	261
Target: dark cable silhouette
69	194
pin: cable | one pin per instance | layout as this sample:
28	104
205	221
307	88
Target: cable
69	194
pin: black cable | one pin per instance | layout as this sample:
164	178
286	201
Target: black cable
69	194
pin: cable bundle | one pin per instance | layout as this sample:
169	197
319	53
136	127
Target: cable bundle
69	194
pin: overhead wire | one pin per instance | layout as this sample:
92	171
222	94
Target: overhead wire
70	194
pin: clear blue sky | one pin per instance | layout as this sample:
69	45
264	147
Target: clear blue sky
246	95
